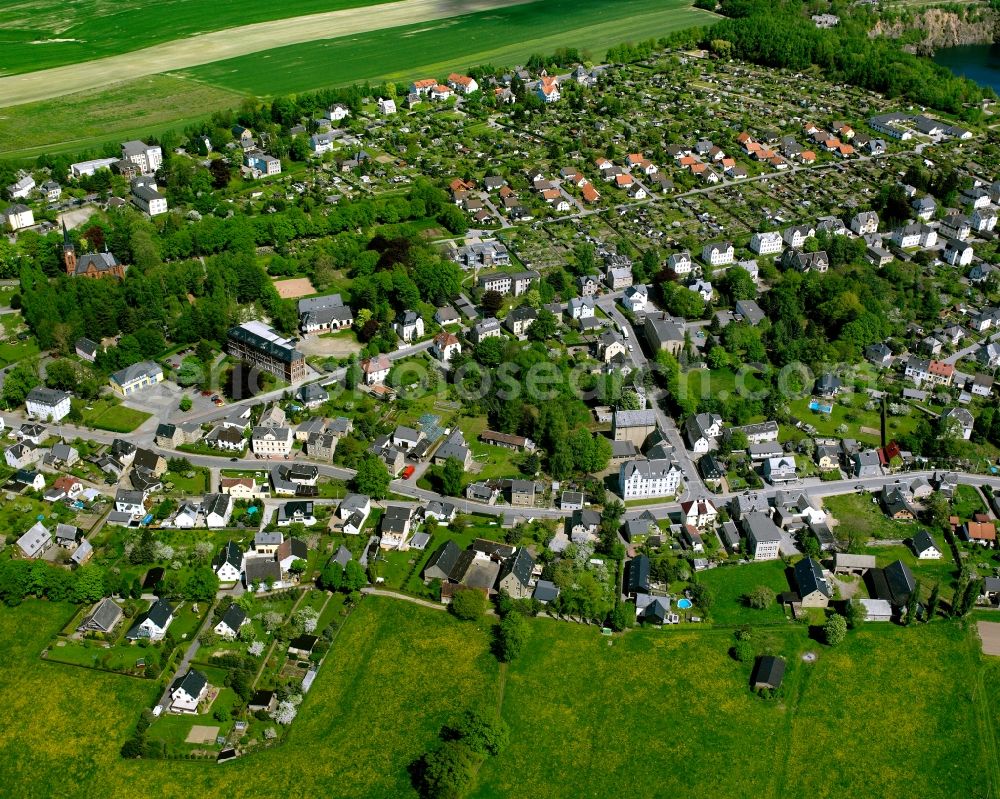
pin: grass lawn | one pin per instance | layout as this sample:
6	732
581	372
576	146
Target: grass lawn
702	383
197	483
857	512
492	462
12	351
20	514
105	415
731	584
828	424
680	699
967	502
500	36
588	714
85	120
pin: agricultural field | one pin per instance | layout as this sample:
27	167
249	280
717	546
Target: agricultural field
497	36
678	697
84	120
40	34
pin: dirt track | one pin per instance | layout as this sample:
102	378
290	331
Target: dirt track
219	45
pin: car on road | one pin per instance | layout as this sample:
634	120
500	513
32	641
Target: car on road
234	460
631	348
408	472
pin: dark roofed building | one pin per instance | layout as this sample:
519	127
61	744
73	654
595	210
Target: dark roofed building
261	570
515	574
442	562
768	672
637	575
103	618
814	591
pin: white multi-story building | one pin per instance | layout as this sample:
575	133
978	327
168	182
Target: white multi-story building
655	478
148	157
763	536
47	403
680	262
271	441
766	243
718	253
19	216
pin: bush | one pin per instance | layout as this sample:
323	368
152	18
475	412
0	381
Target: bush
512	634
481	734
468	604
760	597
447	771
743	651
835	630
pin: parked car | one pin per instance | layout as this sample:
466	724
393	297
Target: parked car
408	472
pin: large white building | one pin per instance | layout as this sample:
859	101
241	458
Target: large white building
146	196
19	216
655	478
270	441
763	536
47	403
767	243
147	157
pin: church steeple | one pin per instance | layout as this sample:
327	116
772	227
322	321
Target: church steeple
69	252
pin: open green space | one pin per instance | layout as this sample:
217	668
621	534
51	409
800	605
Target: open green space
681	721
588	714
105	415
730	586
862	515
849	412
967	502
39	34
83	121
501	36
190	482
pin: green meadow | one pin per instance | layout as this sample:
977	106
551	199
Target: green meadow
38	34
84	120
503	37
891	712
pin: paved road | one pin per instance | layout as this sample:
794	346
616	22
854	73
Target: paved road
694	485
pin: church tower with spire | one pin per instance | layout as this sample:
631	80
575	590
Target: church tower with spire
69	253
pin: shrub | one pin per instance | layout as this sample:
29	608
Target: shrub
760	597
835	630
469	604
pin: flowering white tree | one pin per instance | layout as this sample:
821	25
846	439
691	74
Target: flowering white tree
256	648
272	621
163	551
284	713
203	550
307	618
270	733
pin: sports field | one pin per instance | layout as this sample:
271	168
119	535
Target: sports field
891	712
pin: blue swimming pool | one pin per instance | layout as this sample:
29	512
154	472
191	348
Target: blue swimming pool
683	604
816	406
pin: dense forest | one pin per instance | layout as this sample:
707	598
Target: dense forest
781	35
